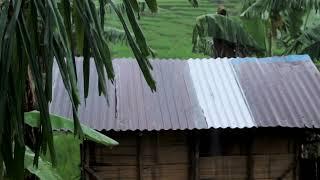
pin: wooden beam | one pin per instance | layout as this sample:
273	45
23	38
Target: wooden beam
139	157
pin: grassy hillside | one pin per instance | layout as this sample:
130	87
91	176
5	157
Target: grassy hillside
169	31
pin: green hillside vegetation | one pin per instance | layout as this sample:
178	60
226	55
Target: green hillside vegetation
169	32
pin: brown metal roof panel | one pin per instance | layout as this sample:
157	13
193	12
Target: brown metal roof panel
162	96
132	105
178	90
281	91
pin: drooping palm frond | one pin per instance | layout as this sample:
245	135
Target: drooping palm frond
265	8
33	34
293	22
284	18
214	26
137	5
307	43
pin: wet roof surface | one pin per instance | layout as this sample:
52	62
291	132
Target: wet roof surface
200	94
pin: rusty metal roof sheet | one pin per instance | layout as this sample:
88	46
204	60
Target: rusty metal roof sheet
281	91
200	94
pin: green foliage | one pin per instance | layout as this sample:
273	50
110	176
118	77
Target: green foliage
136	5
69	164
169	32
290	18
257	29
115	35
68	159
33	33
68	155
44	171
308	42
59	123
267	8
214	26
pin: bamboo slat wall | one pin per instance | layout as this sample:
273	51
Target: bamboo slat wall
162	157
169	156
266	167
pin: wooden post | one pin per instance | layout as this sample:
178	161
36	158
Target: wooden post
87	172
194	156
86	158
155	167
82	158
197	157
139	157
157	157
296	152
250	159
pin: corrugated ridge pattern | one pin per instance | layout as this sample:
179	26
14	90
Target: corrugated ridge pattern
200	94
132	104
281	93
219	94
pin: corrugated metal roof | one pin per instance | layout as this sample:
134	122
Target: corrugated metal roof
281	91
201	94
219	94
132	104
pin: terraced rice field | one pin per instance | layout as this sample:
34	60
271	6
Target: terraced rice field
169	31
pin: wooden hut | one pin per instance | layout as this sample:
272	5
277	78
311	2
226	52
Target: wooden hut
242	118
196	154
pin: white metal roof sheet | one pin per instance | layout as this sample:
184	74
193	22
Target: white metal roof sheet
219	94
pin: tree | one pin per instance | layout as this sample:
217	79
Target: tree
285	16
222	36
33	34
261	21
307	42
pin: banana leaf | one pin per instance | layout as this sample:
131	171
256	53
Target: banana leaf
230	29
59	123
44	171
